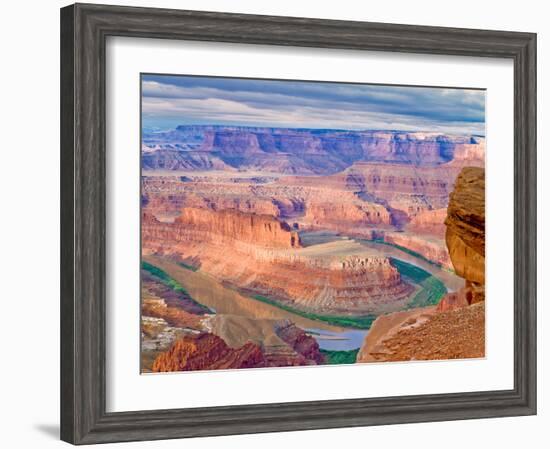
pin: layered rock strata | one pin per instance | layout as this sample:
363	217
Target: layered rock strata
426	334
298	151
356	218
456	327
312	206
405	191
300	342
466	231
429	222
207	352
232	226
430	248
262	255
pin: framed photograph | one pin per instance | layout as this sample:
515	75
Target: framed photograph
274	223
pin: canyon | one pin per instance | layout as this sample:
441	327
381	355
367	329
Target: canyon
274	246
268	259
455	328
298	151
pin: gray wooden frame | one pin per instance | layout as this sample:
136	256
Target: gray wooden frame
84	29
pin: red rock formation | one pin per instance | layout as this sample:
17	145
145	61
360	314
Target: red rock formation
453	301
207	352
466	225
261	230
412	189
317	279
456	327
344	285
301	151
352	218
429	222
303	344
470	154
166	196
313	206
404	190
222	227
425	334
174	316
430	248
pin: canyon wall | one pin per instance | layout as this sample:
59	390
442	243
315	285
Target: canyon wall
234	225
429	222
355	202
264	256
207	352
181	334
431	249
466	230
456	327
404	190
312	205
411	189
298	151
351	218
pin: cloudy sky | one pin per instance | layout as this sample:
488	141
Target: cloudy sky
168	101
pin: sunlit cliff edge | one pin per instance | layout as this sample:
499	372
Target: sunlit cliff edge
455	328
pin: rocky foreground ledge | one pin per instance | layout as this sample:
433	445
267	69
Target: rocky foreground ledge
455	328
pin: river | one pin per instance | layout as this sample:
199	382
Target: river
225	301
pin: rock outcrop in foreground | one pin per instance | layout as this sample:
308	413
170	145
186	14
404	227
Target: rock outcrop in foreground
456	327
466	230
207	352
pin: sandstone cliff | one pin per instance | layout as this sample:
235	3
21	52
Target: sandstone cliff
466	230
301	343
426	335
312	205
456	327
351	218
430	248
299	151
261	230
266	258
429	222
404	190
282	342
207	352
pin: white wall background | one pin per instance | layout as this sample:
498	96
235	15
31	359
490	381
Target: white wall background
29	187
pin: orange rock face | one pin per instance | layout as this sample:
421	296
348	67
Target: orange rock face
226	227
207	352
261	230
430	248
262	255
456	327
453	301
352	218
174	316
429	222
397	183
404	190
427	334
166	196
466	225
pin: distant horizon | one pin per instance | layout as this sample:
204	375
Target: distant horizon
169	101
220	125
